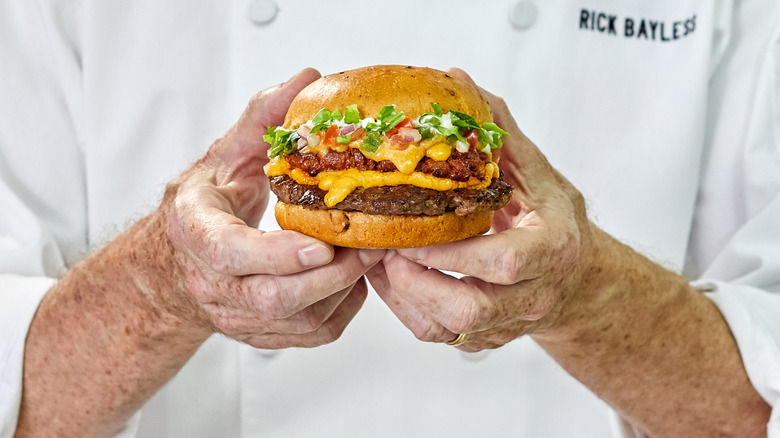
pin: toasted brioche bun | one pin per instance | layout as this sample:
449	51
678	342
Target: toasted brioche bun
360	230
411	90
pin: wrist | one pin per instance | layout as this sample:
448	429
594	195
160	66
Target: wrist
611	285
140	266
124	311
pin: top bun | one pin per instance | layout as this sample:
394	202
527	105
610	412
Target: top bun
410	89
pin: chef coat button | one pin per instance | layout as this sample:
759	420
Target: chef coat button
522	14
262	11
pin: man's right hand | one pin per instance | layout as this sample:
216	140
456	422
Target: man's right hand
269	289
123	321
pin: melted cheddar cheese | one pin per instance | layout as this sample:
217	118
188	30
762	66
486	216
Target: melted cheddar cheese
340	183
439	151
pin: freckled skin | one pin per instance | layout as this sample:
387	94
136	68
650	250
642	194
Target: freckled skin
634	333
123	321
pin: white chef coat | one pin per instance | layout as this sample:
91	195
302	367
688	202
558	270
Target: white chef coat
663	112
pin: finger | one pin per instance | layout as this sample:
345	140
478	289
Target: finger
514	255
328	332
493	338
422	325
468	304
241	322
500	110
410	314
223	242
420	293
268	108
459	73
519	156
282	296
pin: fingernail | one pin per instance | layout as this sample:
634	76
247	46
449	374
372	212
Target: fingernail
389	254
370	256
416	254
314	255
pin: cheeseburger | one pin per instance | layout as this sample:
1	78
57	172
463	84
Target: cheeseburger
387	157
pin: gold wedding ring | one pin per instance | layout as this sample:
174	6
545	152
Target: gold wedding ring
462	337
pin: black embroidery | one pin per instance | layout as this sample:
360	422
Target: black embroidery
636	28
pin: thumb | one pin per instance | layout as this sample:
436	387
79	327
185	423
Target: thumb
524	165
268	108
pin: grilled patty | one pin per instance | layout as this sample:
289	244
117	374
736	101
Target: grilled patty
403	199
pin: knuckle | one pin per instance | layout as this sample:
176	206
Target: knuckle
223	321
499	102
426	331
225	325
503	339
309	321
509	264
264	341
274	264
271	300
257	99
331	332
254	104
338	278
220	254
465	314
253	341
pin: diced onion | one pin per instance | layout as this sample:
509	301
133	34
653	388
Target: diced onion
303	131
462	146
347	129
314	140
301	143
410	134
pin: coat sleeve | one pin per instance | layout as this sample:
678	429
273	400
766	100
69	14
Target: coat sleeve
754	318
42	194
734	251
43	174
734	248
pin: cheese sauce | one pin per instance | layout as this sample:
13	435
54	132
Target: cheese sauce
340	183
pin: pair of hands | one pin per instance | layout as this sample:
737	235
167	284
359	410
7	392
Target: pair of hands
283	289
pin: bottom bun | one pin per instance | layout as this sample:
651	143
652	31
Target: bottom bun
360	230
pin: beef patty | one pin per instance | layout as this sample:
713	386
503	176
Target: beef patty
403	199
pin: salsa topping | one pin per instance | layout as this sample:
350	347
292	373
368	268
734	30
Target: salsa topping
391	128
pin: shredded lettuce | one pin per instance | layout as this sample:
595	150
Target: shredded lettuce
282	141
371	143
351	114
450	125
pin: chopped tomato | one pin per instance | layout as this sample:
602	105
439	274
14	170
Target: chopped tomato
359	134
472	138
398	142
405	123
330	137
